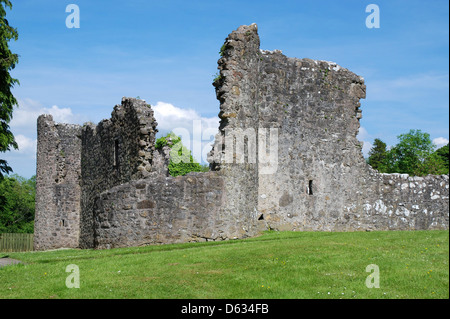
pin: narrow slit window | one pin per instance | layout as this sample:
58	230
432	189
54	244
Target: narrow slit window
310	187
116	153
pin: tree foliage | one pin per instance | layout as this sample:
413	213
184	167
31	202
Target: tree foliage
415	154
181	159
8	61
412	151
377	154
444	155
17	204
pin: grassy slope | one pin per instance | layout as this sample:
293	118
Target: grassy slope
275	265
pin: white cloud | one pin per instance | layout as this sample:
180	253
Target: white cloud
26	145
26	114
170	117
23	126
23	160
24	121
367	146
197	132
63	115
364	136
440	141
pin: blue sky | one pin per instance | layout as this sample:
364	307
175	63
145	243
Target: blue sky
166	53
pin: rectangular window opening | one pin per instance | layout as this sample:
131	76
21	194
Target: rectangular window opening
116	153
310	187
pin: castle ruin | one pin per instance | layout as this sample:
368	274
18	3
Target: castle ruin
106	185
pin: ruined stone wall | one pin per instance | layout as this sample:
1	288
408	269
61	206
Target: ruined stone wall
114	152
398	202
218	205
161	209
58	191
322	181
237	92
112	186
315	106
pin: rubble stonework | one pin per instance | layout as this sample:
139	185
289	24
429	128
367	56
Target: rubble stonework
58	189
110	186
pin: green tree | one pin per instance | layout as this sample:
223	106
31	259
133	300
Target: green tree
414	155
433	165
17	204
443	153
413	149
181	159
377	155
8	61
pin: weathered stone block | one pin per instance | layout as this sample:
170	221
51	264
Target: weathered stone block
146	204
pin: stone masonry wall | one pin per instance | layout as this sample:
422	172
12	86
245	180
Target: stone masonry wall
161	209
58	191
236	92
399	202
218	205
322	181
105	185
114	152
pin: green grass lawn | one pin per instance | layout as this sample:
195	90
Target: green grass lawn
412	264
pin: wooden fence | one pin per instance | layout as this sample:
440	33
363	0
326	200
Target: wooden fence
16	242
